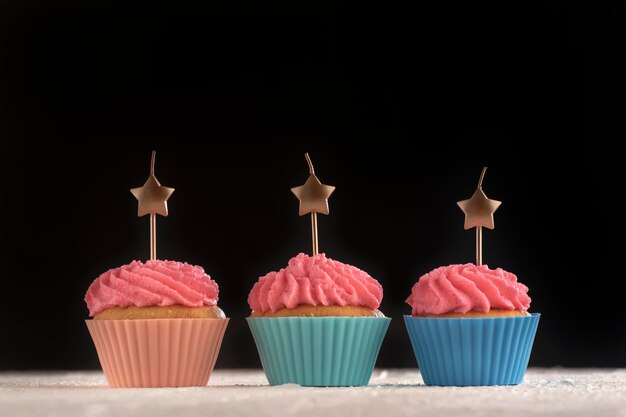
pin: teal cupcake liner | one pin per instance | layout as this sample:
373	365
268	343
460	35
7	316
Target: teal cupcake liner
319	351
472	351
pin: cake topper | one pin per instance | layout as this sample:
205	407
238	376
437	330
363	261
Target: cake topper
313	196
152	198
478	213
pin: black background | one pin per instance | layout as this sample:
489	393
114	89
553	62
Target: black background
534	90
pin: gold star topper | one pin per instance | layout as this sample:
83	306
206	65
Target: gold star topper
313	196
478	213
479	209
152	198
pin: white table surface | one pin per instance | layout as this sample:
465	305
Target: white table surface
400	392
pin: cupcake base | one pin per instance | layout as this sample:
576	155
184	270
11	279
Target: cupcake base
157	352
319	351
472	351
160	312
305	310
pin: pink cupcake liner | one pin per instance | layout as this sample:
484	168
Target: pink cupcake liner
157	352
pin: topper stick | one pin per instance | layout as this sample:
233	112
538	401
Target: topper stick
479	229
479	245
153	255
314	233
313	213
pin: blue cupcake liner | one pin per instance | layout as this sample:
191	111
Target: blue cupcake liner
319	351
472	351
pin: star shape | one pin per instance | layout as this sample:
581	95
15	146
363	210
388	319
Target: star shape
152	197
313	196
479	210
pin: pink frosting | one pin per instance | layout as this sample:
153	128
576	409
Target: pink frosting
315	280
155	283
463	288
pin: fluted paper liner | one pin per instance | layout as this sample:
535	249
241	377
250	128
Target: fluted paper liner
472	351
157	352
319	351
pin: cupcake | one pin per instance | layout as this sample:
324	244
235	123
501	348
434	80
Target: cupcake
156	324
470	325
317	323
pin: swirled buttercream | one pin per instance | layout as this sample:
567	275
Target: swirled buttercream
315	280
154	283
463	288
